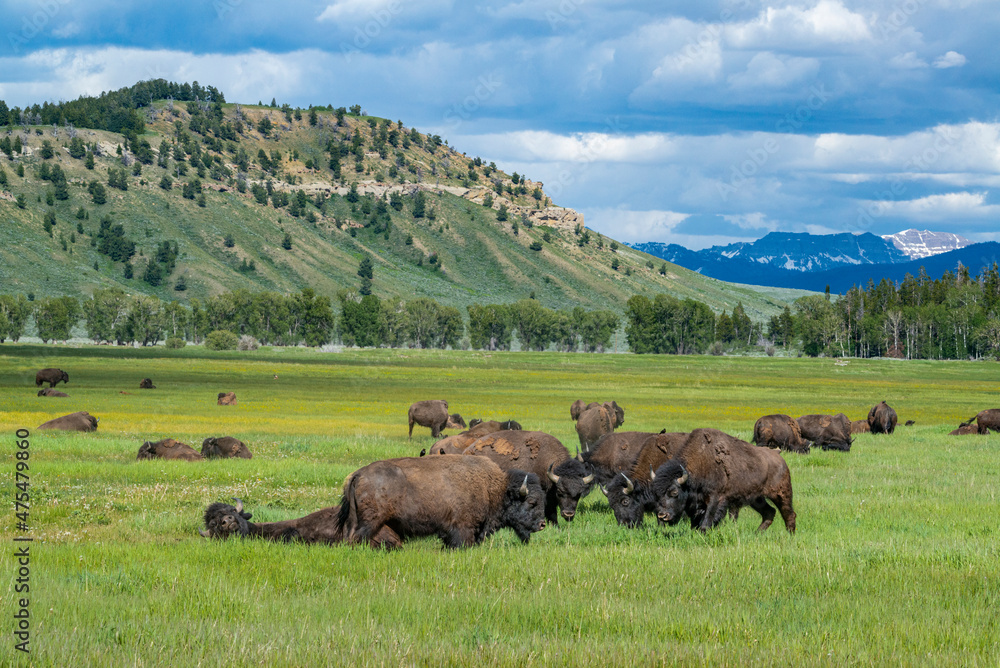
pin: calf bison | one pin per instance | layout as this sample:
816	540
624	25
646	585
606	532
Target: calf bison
79	421
830	432
433	413
596	421
226	399
860	427
630	494
460	499
714	472
224	447
882	419
146	384
49	392
51	376
967	430
564	479
779	431
223	520
986	420
168	448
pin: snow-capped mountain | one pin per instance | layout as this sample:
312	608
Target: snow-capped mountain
918	244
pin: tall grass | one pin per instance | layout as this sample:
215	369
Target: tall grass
894	561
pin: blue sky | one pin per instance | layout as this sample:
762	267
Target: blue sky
693	122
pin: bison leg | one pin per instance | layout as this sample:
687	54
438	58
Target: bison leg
455	538
784	503
761	505
552	506
716	510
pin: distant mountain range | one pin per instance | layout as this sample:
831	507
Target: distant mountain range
813	262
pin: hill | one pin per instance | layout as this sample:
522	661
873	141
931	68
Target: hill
217	196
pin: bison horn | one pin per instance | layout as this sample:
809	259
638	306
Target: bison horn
204	534
588	479
524	488
552	476
684	476
239	505
630	488
604	489
652	473
579	458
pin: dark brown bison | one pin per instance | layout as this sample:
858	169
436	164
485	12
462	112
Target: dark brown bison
986	420
882	419
225	447
226	399
564	479
860	427
596	421
779	431
223	520
432	413
455	421
614	453
79	421
51	376
146	384
630	493
168	448
967	430
714	472
830	432
49	392
460	499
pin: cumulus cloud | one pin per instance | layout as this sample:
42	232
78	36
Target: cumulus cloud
828	22
774	71
938	208
950	59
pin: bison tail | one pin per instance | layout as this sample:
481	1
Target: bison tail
969	421
347	518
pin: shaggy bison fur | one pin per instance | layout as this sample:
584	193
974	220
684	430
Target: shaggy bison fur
614	453
830	432
79	421
779	431
630	494
882	419
226	399
51	376
224	447
460	499
986	420
49	392
456	445
168	448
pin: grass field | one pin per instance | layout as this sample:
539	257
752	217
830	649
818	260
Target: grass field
895	561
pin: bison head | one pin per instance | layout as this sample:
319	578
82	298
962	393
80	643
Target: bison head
146	451
65	377
223	520
627	500
474	421
523	504
671	491
571	480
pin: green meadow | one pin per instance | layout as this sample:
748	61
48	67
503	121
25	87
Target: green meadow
895	561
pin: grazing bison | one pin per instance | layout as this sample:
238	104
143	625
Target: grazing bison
830	432
596	421
714	472
779	431
860	427
564	479
225	447
146	384
49	392
432	413
79	421
614	453
967	430
51	376
226	399
168	448
882	419
630	494
576	410
223	520
460	499
986	420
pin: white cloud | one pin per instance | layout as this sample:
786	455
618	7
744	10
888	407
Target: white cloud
938	208
768	70
828	22
950	59
341	10
908	61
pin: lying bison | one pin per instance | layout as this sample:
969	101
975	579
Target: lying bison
79	421
460	499
456	445
223	520
882	419
563	479
224	447
779	431
986	420
630	494
830	432
967	430
226	399
860	427
168	448
49	392
51	376
433	413
714	472
596	421
503	426
146	384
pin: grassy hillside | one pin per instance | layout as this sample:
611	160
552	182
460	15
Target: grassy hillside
479	258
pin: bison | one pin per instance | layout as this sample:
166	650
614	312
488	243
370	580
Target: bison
830	432
714	472
49	392
860	427
433	413
779	431
168	448
577	408
564	479
79	421
492	426
596	421
882	419
223	520
146	384
614	453
460	499
986	420
51	376
224	447
455	421
630	494
456	445
226	399
967	430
